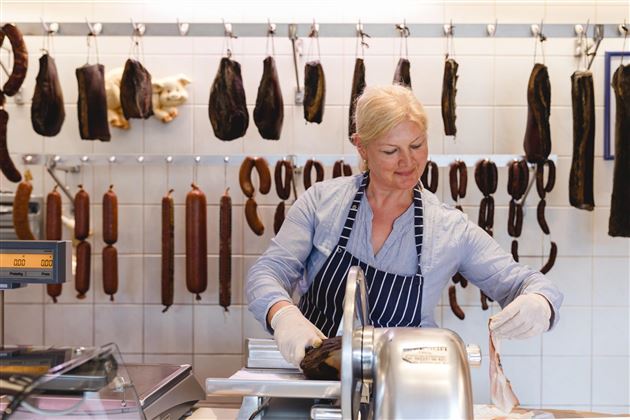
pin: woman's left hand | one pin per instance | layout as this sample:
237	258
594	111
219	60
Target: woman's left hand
526	316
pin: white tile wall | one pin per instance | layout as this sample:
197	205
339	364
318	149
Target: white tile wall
582	364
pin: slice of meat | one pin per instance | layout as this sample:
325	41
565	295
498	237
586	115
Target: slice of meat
402	75
314	91
269	110
358	86
227	107
136	91
323	362
47	110
449	90
92	103
537	142
501	392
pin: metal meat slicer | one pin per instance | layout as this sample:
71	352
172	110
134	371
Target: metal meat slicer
386	373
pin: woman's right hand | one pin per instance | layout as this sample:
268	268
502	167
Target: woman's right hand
294	333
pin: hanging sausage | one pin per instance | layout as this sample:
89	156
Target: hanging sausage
53	232
225	250
11	87
358	86
168	251
84	250
110	237
449	91
196	242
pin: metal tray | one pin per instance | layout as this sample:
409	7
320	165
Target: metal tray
289	383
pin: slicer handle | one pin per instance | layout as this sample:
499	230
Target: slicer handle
474	355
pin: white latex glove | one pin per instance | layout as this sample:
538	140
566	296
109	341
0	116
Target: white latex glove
294	333
526	316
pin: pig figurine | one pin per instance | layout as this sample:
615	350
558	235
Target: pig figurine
112	90
169	92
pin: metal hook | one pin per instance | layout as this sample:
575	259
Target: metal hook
362	34
94	29
138	28
50	28
623	28
183	28
403	29
227	30
271	28
314	32
491	29
448	28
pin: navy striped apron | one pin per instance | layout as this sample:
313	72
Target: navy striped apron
394	300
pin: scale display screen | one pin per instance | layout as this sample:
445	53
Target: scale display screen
25	259
24	262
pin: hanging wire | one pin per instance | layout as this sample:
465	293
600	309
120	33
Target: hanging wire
89	47
403	30
313	35
227	39
361	35
271	31
625	37
450	48
542	38
226	160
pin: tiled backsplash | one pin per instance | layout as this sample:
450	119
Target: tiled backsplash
582	364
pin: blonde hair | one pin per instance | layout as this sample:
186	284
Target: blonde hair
381	108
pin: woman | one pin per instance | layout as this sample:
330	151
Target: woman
408	244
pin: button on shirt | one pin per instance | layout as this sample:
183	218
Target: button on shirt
451	243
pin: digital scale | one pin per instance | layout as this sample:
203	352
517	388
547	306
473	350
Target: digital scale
41	262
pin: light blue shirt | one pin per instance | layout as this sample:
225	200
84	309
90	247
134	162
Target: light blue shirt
451	243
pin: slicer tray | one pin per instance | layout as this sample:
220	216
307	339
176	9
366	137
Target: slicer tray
289	383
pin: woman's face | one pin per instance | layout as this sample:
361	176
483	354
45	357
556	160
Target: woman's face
397	159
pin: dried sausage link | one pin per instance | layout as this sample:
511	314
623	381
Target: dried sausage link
540	216
225	251
168	251
308	168
110	271
553	253
196	242
81	214
283	185
452	300
110	216
430	176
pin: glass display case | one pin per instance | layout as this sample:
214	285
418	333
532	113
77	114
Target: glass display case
60	382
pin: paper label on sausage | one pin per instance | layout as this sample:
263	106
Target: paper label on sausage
431	355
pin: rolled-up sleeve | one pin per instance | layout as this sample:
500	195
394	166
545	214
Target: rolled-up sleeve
496	273
274	275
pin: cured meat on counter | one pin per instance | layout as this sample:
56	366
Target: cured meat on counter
581	176
227	107
358	86
449	90
92	103
136	91
402	74
47	110
269	110
314	92
619	222
537	141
